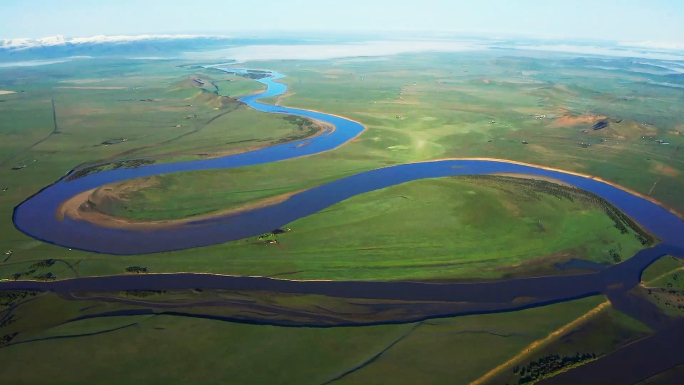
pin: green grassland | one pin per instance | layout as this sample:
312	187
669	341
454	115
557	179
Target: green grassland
444	228
472	227
416	107
447	228
656	274
160	111
442	344
664	273
433	106
663	284
459	109
600	335
50	347
156	106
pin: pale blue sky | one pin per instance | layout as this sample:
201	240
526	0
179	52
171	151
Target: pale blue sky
621	20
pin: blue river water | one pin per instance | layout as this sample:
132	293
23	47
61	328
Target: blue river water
36	215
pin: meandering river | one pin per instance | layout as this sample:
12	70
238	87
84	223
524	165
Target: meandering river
36	215
36	218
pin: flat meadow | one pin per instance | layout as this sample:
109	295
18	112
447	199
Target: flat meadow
549	110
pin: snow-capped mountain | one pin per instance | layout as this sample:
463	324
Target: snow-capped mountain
59	40
27	43
669	46
101	45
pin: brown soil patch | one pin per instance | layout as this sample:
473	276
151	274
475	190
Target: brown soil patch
113	192
539	149
663	169
578	166
122	190
569	121
510	207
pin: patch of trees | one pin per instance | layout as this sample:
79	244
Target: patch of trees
675	300
548	365
254	74
45	277
10	297
4	340
616	256
526	188
306	126
8	321
45	263
16	276
33	268
136	270
622	222
298	121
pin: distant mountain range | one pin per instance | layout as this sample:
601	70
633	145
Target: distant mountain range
61	46
303	46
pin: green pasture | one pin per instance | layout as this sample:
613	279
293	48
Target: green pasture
471	106
599	335
51	349
660	272
415	107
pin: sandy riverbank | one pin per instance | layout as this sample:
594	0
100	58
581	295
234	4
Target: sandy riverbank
80	207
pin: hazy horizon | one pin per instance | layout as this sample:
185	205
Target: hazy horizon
620	21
